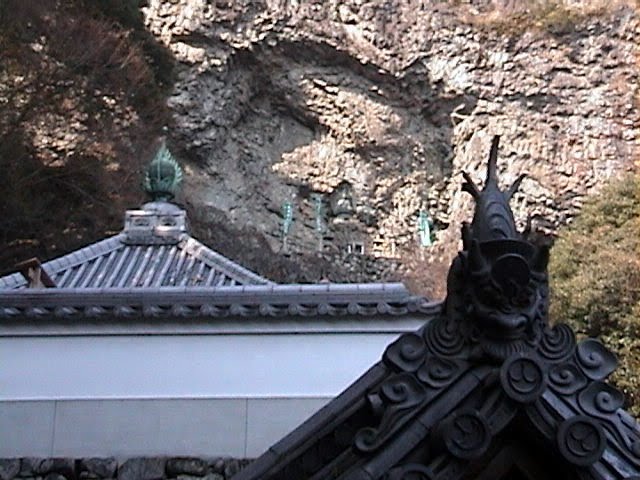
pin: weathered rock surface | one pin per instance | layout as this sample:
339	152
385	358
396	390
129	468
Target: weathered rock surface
360	114
286	101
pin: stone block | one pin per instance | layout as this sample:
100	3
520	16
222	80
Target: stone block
9	468
208	476
142	469
98	467
186	466
62	466
217	465
231	468
54	476
196	477
29	466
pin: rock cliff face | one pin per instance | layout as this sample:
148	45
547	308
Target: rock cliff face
339	123
362	114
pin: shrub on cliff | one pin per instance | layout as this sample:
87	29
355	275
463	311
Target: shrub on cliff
595	277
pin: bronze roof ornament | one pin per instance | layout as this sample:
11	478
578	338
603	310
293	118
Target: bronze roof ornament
163	176
486	389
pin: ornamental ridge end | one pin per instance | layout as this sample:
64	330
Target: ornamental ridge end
164	175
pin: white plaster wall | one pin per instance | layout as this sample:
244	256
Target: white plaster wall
185	366
242	428
159	394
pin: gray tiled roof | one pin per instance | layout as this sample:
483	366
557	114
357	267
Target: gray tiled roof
155	269
154	250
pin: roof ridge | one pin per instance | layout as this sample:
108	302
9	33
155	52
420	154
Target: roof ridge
90	252
242	301
222	263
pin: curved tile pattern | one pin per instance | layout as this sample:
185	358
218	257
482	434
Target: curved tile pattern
339	300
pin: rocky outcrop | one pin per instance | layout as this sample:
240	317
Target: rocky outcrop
288	102
354	116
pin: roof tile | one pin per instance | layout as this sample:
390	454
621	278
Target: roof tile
113	263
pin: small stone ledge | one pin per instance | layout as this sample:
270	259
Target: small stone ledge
139	468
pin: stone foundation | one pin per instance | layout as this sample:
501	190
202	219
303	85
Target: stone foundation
143	468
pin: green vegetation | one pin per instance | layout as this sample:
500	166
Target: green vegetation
556	17
595	277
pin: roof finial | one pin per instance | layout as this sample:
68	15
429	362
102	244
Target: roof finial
163	176
493	218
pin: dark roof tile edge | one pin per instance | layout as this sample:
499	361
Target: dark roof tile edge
205	310
269	300
387	291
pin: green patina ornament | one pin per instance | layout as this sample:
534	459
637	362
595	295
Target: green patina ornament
163	176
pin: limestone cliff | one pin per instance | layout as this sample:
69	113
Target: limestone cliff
357	115
380	105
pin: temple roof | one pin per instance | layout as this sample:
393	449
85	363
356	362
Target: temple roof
154	250
418	414
155	269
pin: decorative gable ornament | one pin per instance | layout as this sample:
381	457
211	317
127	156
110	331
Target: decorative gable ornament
163	176
486	390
